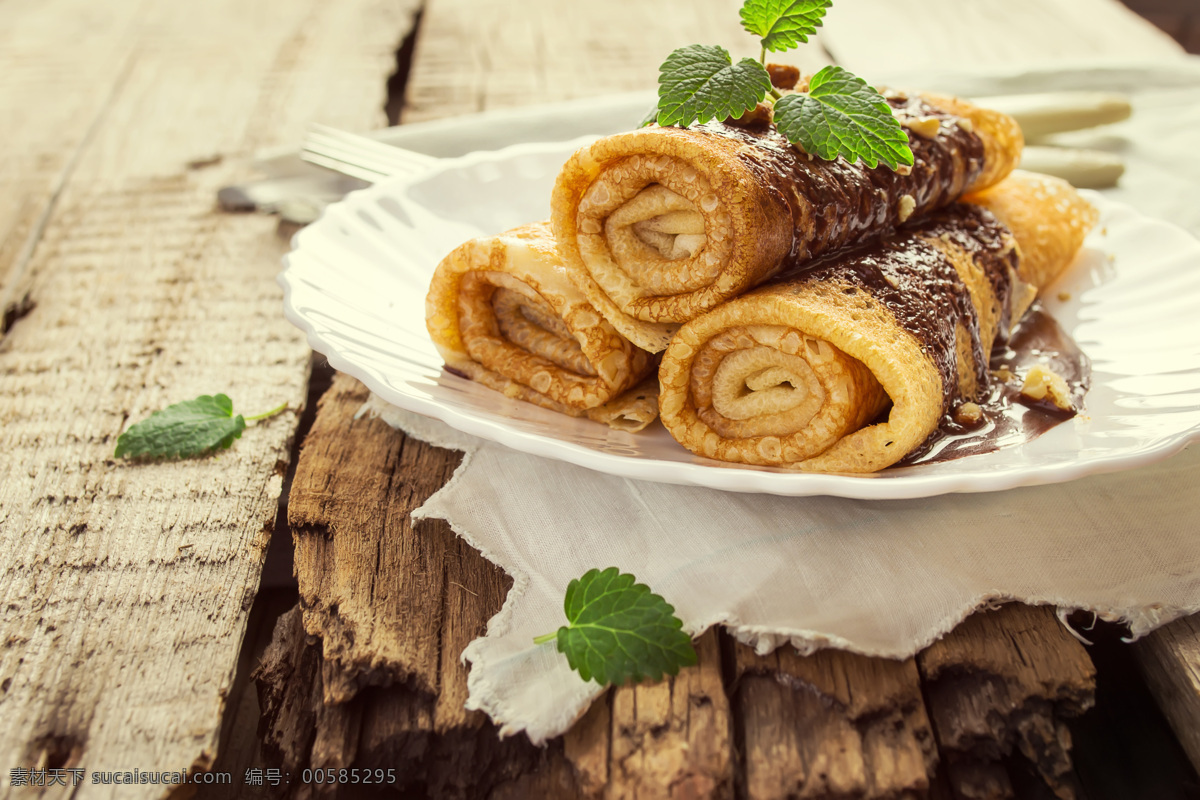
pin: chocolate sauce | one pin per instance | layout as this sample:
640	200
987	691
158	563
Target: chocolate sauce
836	203
909	274
1008	417
919	284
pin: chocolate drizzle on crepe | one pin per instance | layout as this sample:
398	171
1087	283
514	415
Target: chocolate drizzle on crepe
918	283
844	202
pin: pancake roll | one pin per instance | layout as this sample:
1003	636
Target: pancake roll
659	225
502	312
849	363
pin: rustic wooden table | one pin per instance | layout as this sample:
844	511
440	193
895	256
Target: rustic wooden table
130	626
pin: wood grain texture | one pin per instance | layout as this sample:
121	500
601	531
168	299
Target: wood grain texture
888	35
1170	660
355	679
386	611
1000	683
833	724
43	139
673	738
362	573
389	604
475	55
119	574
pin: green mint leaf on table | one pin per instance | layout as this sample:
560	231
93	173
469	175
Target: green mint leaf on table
186	429
783	24
842	116
620	630
701	82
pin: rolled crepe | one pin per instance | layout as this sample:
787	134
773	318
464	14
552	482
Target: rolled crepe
659	225
502	312
798	372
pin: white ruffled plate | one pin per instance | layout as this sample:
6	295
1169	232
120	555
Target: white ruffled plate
356	279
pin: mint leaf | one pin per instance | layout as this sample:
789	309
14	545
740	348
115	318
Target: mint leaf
783	24
619	630
842	116
183	430
701	82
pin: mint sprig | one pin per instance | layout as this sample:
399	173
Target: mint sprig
619	630
701	82
841	115
783	24
186	429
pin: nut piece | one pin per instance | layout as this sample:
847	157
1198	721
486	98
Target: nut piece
968	414
965	124
783	76
757	117
1042	382
925	127
907	205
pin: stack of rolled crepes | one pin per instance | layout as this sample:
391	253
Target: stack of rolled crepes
798	372
676	221
660	225
502	312
657	227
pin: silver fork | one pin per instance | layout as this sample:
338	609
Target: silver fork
360	156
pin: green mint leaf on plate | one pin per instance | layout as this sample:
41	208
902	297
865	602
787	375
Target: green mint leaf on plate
842	116
701	82
783	24
186	429
620	630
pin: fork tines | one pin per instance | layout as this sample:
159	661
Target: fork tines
360	156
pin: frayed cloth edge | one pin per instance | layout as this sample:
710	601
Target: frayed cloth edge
484	696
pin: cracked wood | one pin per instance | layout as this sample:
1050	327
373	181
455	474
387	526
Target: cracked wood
1000	684
833	724
389	609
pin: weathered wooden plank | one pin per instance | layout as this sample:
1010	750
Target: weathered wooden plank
587	745
119	574
673	738
670	734
871	36
833	724
387	611
475	591
363	575
474	55
43	139
240	747
1170	660
999	684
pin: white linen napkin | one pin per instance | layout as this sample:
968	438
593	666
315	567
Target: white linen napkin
882	578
